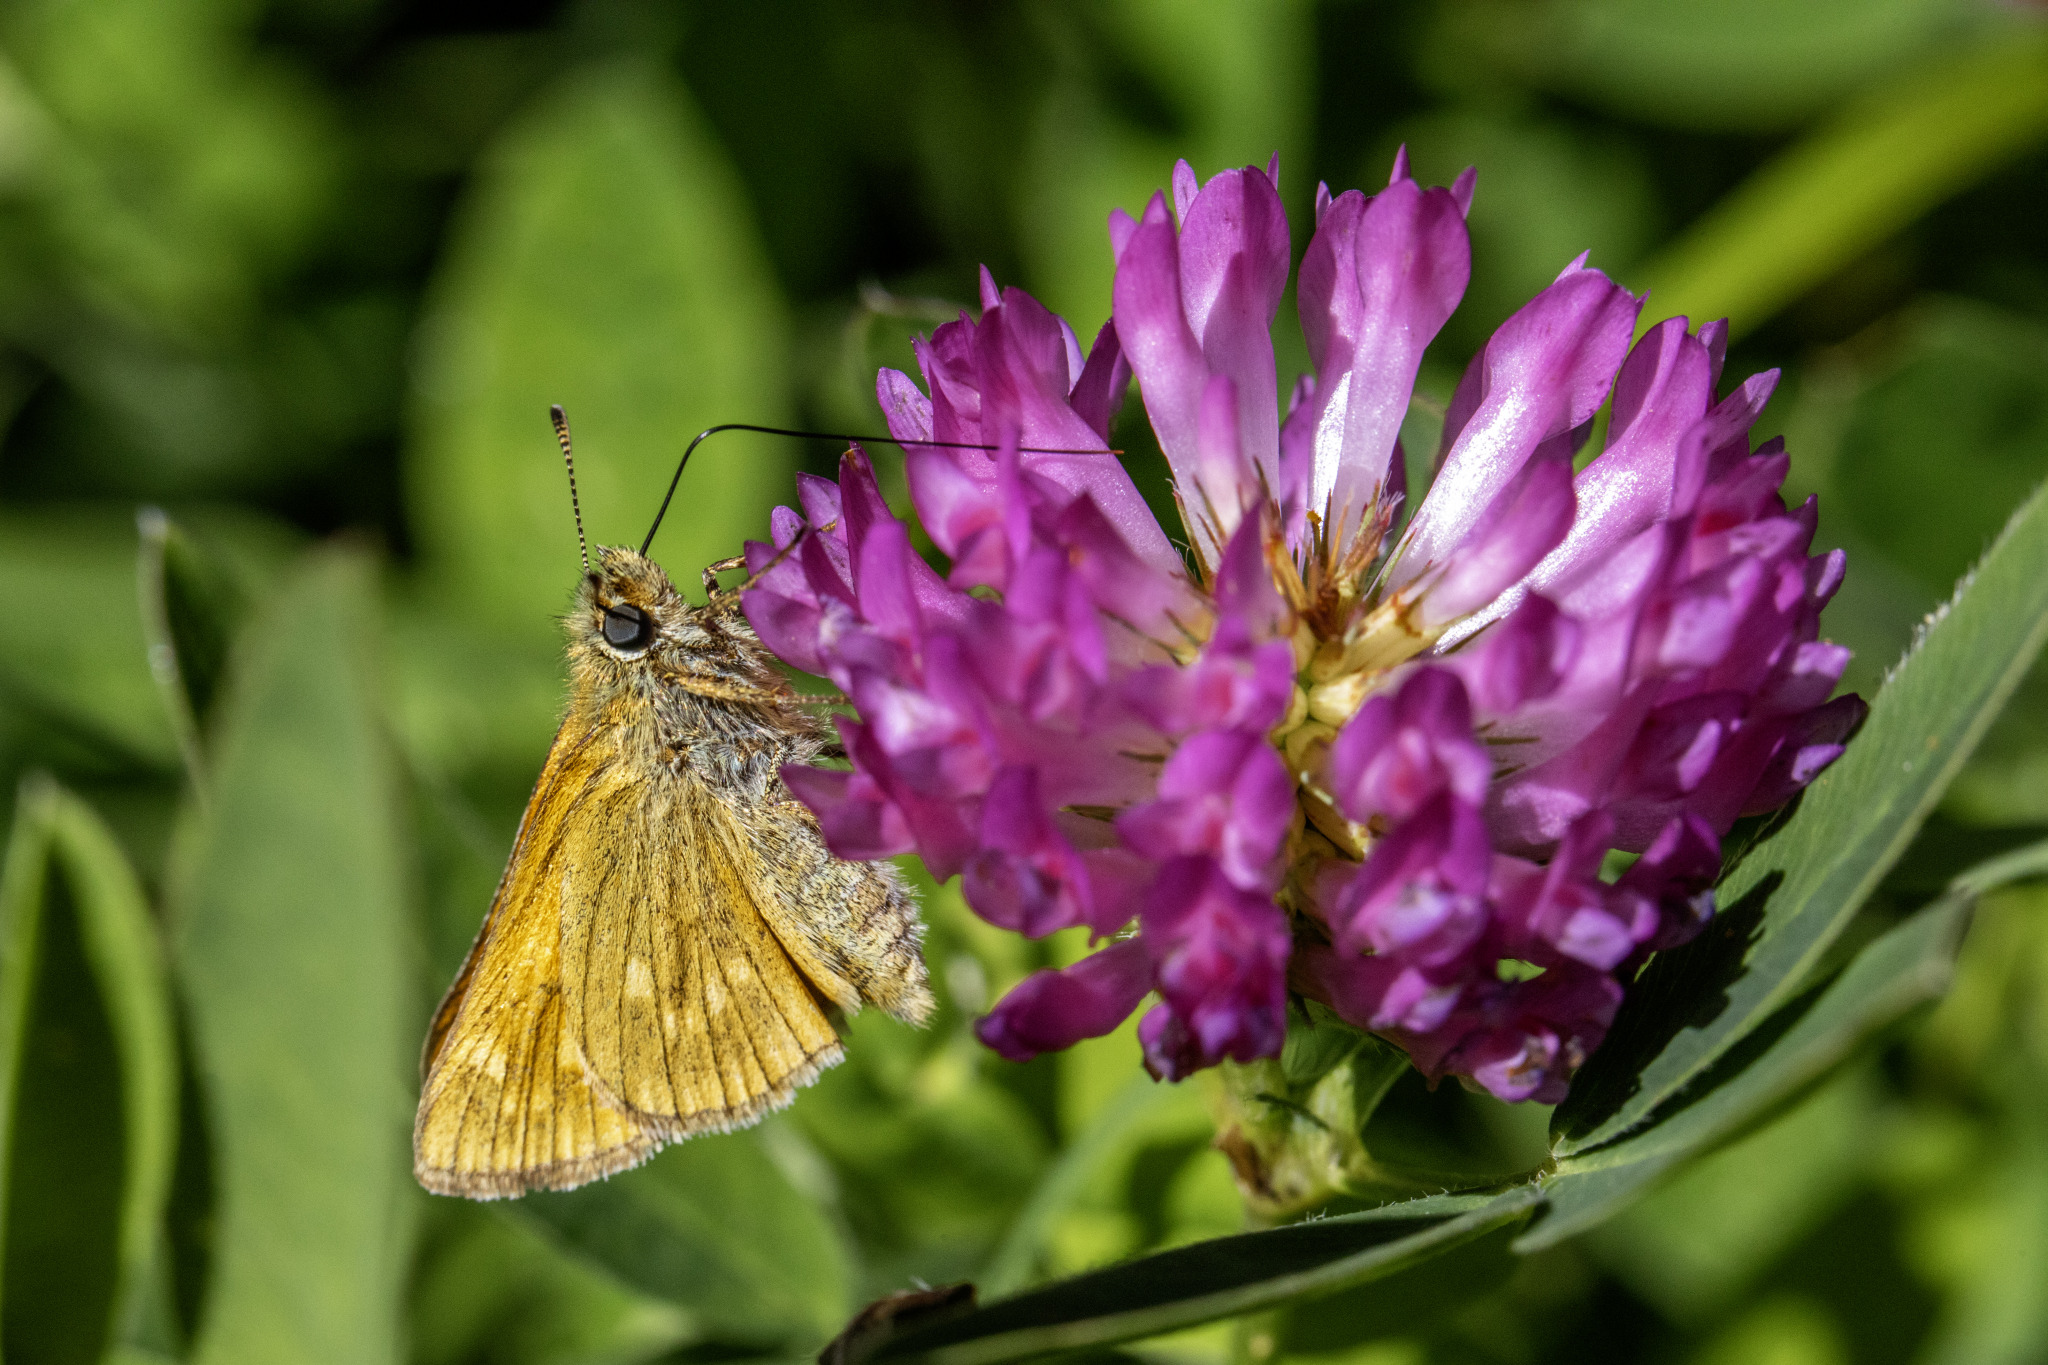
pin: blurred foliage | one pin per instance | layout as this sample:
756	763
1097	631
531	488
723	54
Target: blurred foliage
306	274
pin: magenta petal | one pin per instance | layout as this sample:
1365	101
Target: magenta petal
788	627
1171	1052
883	578
1379	992
1106	377
1014	371
1703	619
1233	265
1564	910
1527	519
1224	795
909	412
1400	751
857	820
1163	350
1196	306
955	507
1534	1034
1244	587
820	498
1225	485
1421	892
1676	874
1025	876
1661	394
1544	372
1514	1065
1231	684
1678	743
1520	659
1121	582
1530	809
937	824
1049	1010
1815	742
1221	955
861	498
1380	279
1185	187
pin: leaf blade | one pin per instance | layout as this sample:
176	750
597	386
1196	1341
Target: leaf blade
606	262
1906	967
1211	1280
712	1226
61	852
122	946
291	950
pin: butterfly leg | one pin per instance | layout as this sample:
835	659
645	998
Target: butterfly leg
712	571
726	599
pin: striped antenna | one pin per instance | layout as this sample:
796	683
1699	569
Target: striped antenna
561	421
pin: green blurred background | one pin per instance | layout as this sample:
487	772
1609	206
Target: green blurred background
307	275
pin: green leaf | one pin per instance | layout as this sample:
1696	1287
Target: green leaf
605	261
66	874
1791	896
1883	163
713	1226
92	682
1970	380
1210	1280
1803	1042
1010	1267
292	936
488	1287
189	607
1750	65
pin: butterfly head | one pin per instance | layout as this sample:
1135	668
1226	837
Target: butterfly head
627	610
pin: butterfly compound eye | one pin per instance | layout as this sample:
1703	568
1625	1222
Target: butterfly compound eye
627	628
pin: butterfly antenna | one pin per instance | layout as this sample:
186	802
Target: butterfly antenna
842	436
561	421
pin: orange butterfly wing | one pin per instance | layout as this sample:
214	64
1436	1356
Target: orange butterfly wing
506	1105
691	1013
625	990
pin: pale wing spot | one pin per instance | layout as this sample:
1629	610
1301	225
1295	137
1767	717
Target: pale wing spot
639	980
741	971
669	1021
494	1065
714	994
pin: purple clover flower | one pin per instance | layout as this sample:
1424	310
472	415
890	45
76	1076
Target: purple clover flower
1377	762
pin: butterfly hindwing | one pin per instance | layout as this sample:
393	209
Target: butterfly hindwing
852	927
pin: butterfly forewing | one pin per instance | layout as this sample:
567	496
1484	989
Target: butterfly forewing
507	1105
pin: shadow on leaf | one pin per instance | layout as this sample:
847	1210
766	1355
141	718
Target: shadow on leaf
1685	988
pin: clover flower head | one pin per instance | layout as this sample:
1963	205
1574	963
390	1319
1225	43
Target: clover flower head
1367	749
